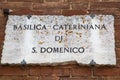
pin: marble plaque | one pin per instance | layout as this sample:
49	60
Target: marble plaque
57	39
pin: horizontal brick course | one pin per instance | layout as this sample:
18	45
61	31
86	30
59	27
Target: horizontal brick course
102	5
17	78
15	5
107	71
74	12
39	1
82	71
6	70
52	5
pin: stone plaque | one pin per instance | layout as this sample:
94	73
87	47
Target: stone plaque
57	39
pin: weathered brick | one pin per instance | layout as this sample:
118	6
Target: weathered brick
1	13
65	78
107	71
105	0
2	37
82	71
27	12
61	71
117	34
110	0
81	78
106	78
17	78
106	12
117	21
104	5
54	0
3	21
117	12
74	12
7	70
77	1
52	5
112	78
76	6
48	78
2	34
15	5
37	71
117	44
2	0
117	16
103	11
117	24
95	0
77	78
40	1
117	52
52	12
118	62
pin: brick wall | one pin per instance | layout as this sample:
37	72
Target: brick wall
61	7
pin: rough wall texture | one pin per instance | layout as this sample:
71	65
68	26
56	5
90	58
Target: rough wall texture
63	7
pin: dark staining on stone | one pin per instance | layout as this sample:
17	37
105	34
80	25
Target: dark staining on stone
29	16
92	16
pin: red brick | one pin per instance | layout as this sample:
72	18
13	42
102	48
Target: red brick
77	1
26	12
61	72
81	78
40	1
105	0
117	21
117	24
117	44
64	78
2	27
82	71
2	34
107	71
3	21
103	11
95	0
2	0
54	0
1	13
117	12
117	34
52	5
52	12
112	78
118	62
102	5
74	12
37	71
110	0
106	78
117	16
118	52
15	5
78	78
17	78
6	70
108	11
48	78
76	6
